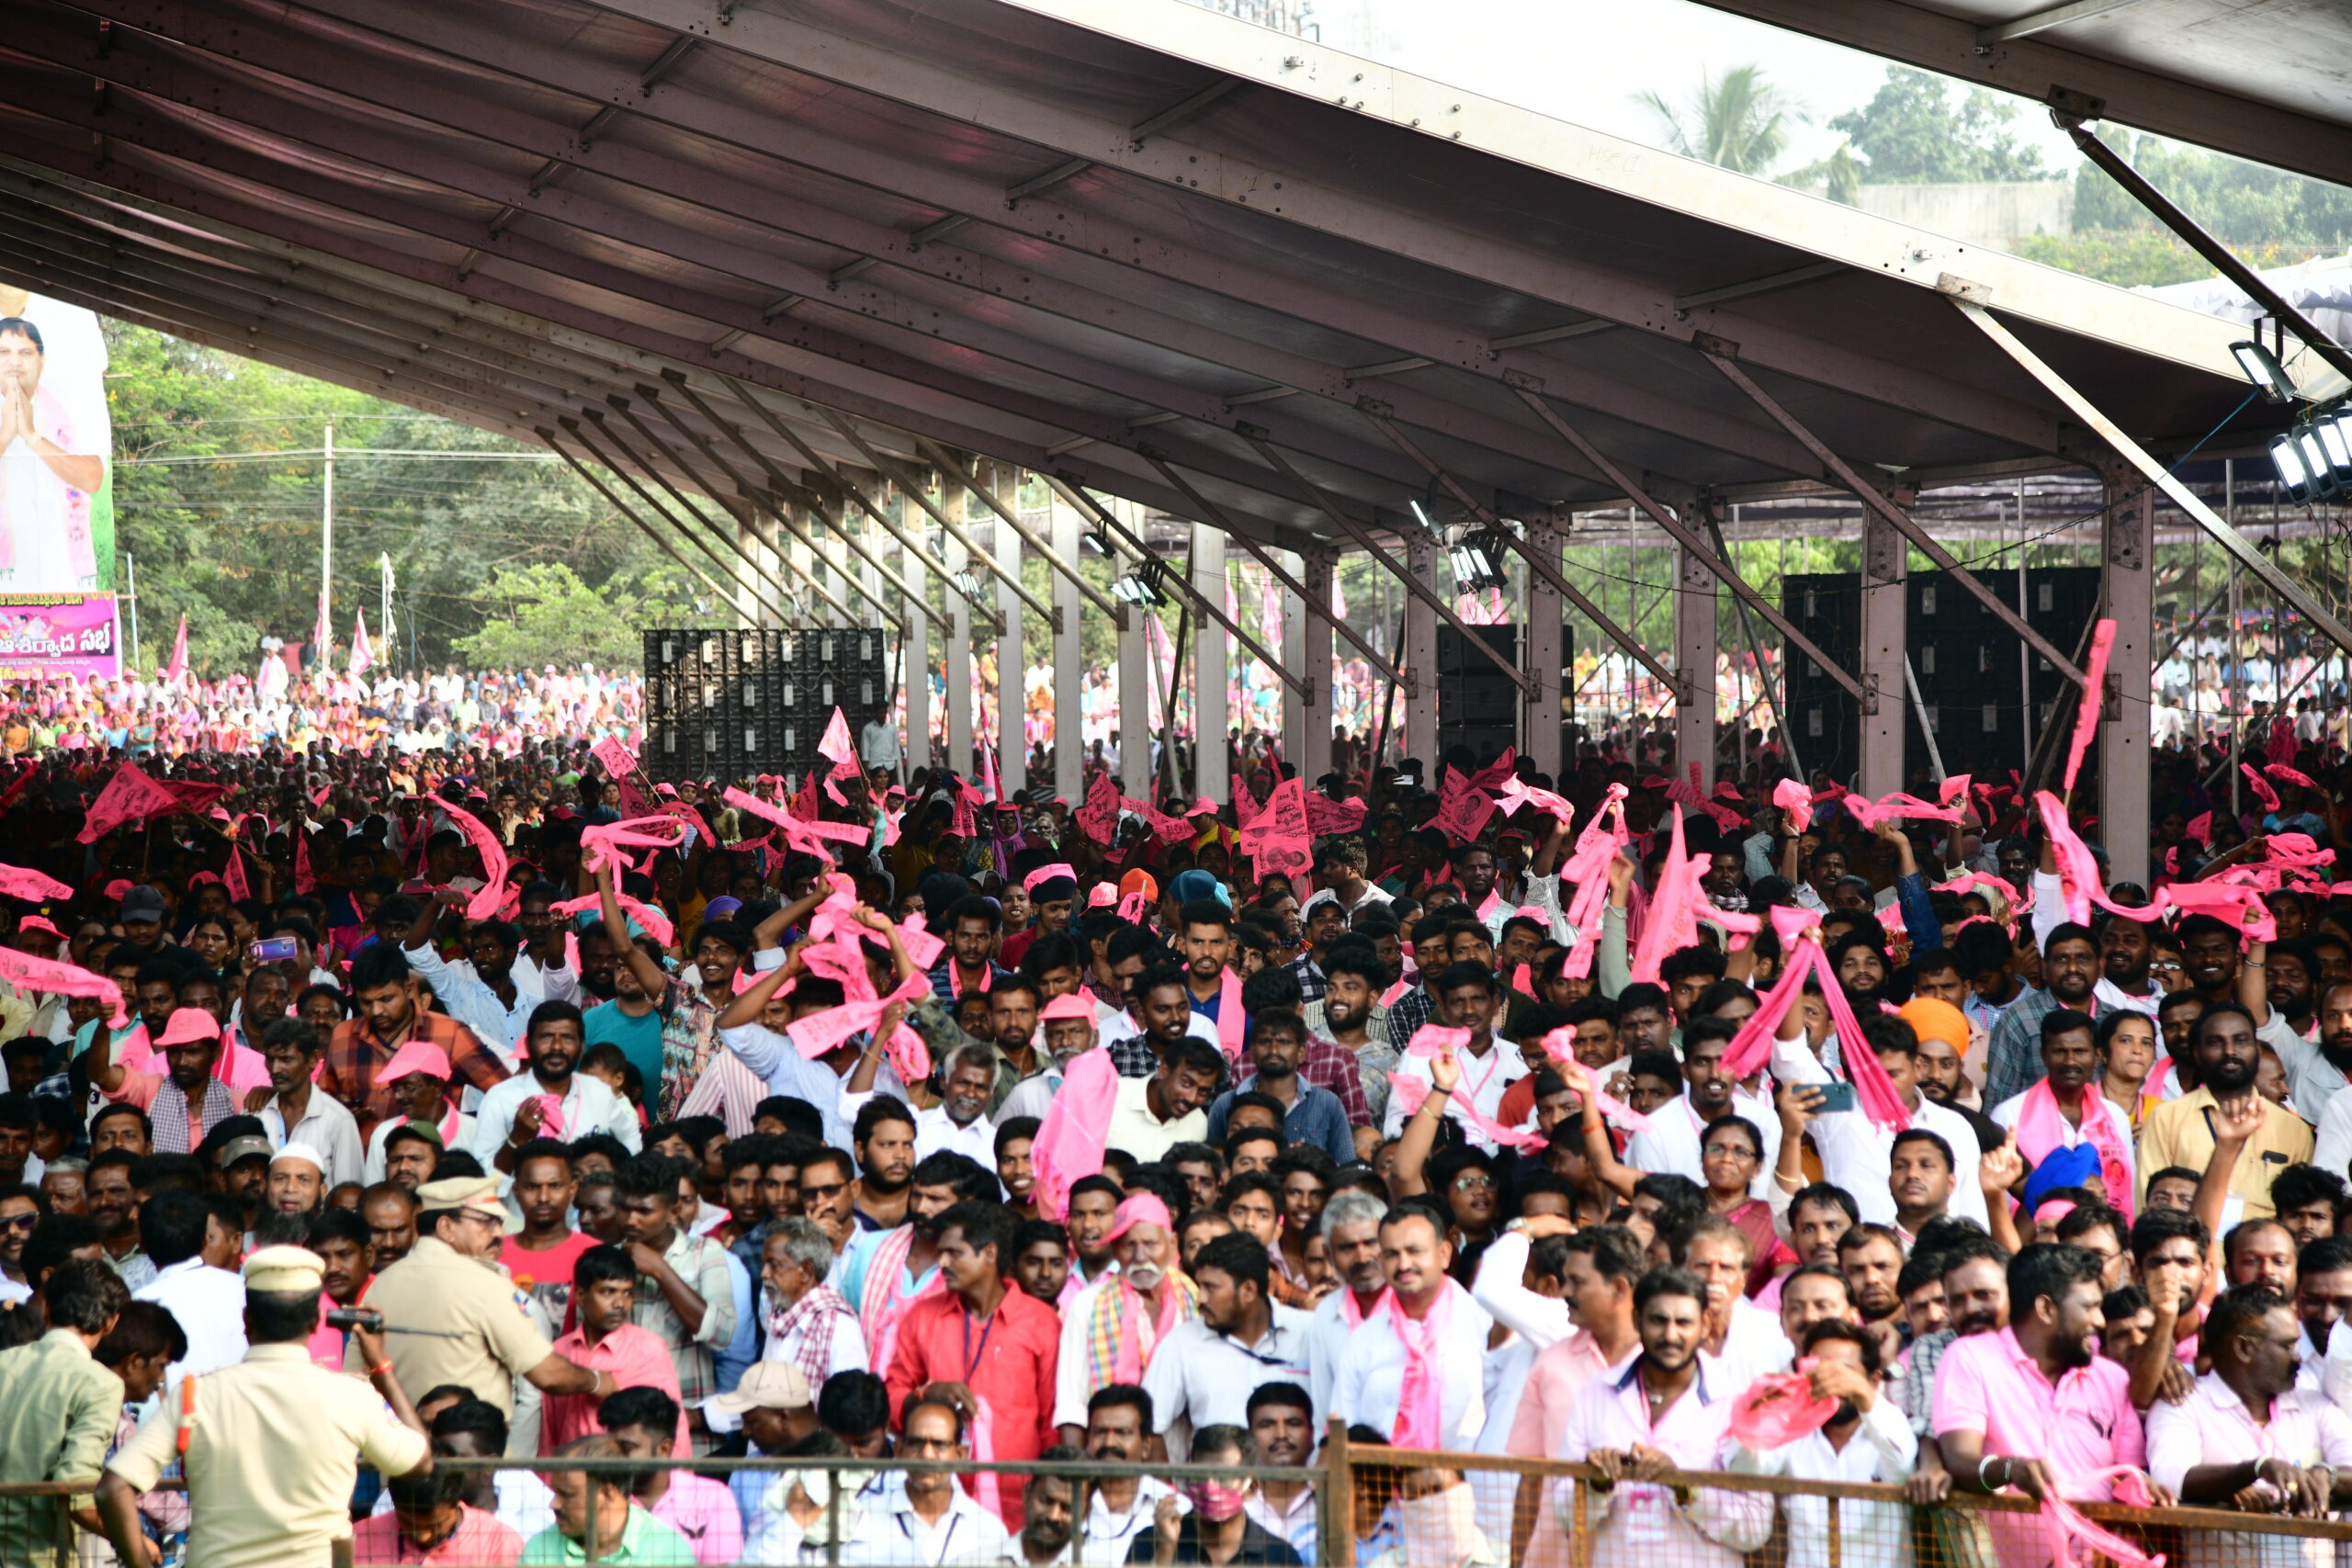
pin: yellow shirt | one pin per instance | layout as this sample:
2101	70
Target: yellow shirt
2180	1132
435	1287
273	1454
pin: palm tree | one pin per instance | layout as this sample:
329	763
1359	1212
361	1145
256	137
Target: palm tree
1737	121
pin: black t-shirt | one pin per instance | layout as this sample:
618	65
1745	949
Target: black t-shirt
1257	1545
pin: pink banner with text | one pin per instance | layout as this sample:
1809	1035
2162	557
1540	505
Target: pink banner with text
57	635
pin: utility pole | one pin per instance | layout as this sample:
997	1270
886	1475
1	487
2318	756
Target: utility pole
326	546
130	569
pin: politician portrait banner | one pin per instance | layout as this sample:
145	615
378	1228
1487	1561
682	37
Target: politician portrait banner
56	491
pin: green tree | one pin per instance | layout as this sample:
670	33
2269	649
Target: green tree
1737	121
2241	203
1912	132
2138	258
552	617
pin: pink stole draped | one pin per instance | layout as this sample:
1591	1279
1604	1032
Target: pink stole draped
1419	1423
2042	1127
884	1302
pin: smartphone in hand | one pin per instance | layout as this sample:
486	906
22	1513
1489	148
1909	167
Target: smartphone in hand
1834	1097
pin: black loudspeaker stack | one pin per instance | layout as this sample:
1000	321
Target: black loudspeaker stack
730	704
1477	704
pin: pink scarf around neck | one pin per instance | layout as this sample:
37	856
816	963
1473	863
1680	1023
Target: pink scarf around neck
2042	1127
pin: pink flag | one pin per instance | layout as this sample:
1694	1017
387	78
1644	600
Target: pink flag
234	877
131	796
2094	694
361	659
176	671
34	886
837	746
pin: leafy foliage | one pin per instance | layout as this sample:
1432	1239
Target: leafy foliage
219	495
1912	132
1737	121
2240	203
2137	258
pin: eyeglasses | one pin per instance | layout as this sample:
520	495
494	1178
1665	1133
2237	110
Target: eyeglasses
1471	1180
815	1194
1729	1151
22	1222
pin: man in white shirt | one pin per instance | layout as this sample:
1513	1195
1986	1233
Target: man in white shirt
1426	1331
299	1112
959	1123
193	1249
2247	1431
1467	997
486	1000
1867	1440
551	1099
1151	1115
1670	1143
1751	1341
1855	1152
928	1519
1206	1372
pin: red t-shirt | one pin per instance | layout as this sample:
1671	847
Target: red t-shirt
548	1274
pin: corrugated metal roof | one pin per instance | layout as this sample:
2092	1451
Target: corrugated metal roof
1074	235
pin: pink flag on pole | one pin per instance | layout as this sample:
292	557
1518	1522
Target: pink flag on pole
361	659
176	671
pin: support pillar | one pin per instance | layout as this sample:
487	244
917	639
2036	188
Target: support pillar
1210	655
1135	726
1070	695
2127	561
1543	634
1884	697
1313	661
747	603
1694	662
1012	681
1418	714
1293	648
959	643
914	654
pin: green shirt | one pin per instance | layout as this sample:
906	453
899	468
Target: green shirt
58	1412
647	1539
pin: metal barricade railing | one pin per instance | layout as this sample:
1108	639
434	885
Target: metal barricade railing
1356	1487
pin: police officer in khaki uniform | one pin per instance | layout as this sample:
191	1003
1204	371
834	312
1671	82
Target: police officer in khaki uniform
452	1285
272	1444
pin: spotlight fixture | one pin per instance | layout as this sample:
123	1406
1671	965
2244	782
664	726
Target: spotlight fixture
2314	452
1421	515
967	585
2335	439
1142	586
1477	562
2262	369
1093	539
2288	459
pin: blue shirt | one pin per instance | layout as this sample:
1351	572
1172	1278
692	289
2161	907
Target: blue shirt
1315	1117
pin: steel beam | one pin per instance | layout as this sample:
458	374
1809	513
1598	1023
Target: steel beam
947	462
666	548
573	428
1549	571
1695	587
1212	689
2128	570
1885	639
1418	588
1531	394
785	481
914	665
1076	495
1726	358
1069	664
2155	473
961	720
1313	754
1543	633
1012	671
891	471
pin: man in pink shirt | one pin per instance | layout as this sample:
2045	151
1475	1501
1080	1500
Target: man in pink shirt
1604	1263
2034	1405
1666	1411
428	1524
604	1293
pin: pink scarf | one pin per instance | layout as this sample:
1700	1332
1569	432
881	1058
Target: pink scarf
883	1302
2042	1127
1076	1130
1419	1423
1230	1018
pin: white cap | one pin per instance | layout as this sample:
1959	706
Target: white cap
301	1151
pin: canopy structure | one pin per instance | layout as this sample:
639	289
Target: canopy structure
784	254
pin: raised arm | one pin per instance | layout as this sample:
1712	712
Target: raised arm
649	975
1420	1137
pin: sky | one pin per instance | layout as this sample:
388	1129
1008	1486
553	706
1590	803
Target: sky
1584	61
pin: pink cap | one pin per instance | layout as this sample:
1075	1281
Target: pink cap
417	1056
1139	1209
38	924
121	885
1070	1004
189	1026
1047	873
1102	895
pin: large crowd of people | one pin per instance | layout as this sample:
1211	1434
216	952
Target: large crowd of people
370	1110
